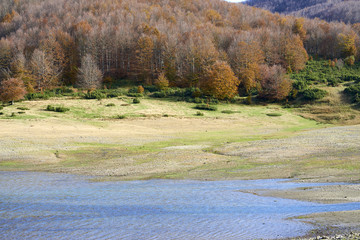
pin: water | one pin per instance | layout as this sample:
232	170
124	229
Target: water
60	206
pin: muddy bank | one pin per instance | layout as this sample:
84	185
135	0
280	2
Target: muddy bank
321	194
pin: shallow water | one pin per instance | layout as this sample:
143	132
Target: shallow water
60	206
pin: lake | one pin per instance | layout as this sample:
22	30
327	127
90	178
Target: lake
62	206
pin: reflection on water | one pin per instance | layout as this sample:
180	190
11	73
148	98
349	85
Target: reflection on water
59	206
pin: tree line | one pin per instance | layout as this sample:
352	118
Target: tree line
220	47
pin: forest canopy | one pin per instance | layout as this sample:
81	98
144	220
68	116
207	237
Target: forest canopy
185	41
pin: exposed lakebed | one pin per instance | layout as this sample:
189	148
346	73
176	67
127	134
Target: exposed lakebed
61	206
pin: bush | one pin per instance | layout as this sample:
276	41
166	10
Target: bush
205	107
21	112
34	96
349	78
230	111
22	108
1	107
57	109
113	93
136	101
354	92
1	113
161	94
199	113
151	88
314	94
110	105
134	95
120	117
274	114
133	90
95	95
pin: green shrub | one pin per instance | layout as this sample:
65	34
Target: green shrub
314	94
57	109
113	93
205	107
1	113
354	92
230	111
21	112
1	107
95	95
13	115
198	113
110	105
133	90
161	94
274	114
134	95
35	96
150	89
300	85
50	108
165	115
120	117
136	101
23	108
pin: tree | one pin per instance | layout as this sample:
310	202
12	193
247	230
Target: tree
220	81
144	55
11	90
19	70
347	44
246	59
298	28
43	70
90	75
161	82
295	54
275	84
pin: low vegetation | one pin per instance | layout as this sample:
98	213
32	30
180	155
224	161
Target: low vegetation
57	108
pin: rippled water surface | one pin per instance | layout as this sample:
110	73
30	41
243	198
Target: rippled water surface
59	206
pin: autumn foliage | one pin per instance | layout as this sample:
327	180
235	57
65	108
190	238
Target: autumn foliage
275	84
220	81
185	41
11	90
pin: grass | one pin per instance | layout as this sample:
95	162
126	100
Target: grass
149	144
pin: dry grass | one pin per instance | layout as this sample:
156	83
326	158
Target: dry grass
335	108
88	140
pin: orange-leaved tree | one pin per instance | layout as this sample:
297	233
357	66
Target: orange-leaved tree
220	81
295	54
11	90
246	59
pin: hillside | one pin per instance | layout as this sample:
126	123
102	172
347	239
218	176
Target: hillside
329	10
222	48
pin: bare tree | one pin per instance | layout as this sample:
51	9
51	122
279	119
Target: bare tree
90	76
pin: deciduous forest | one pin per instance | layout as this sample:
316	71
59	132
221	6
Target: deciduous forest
220	47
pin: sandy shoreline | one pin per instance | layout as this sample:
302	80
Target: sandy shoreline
329	225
